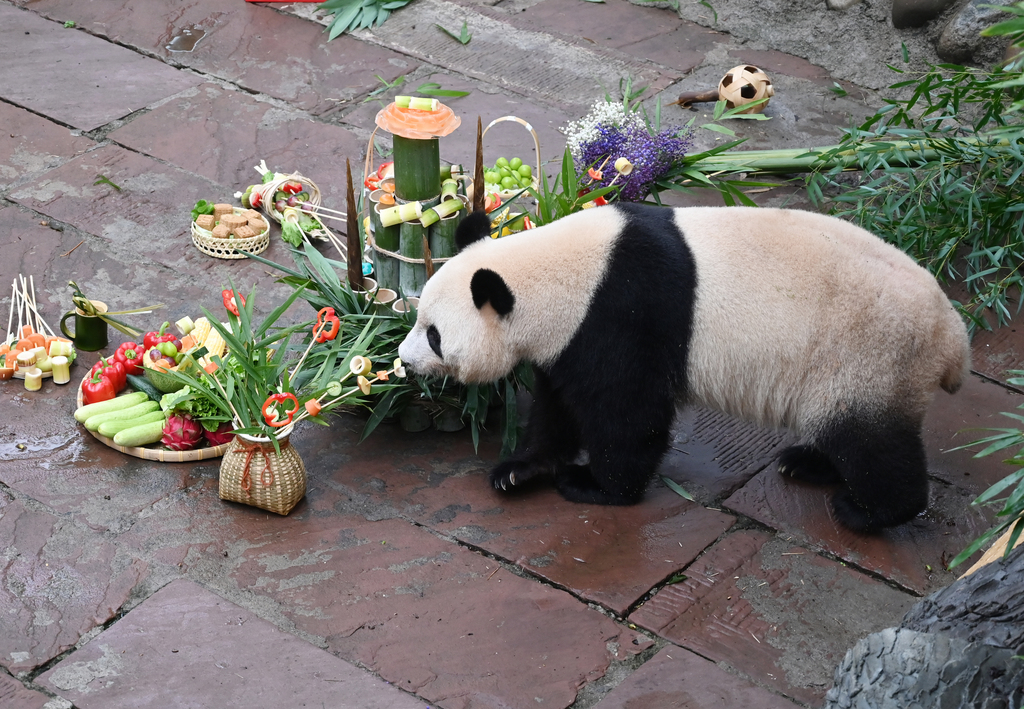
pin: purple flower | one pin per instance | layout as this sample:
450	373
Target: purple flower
651	156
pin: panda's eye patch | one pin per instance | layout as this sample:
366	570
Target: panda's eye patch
434	340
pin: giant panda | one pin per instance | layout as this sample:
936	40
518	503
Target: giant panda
785	318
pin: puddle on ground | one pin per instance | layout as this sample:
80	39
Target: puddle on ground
186	39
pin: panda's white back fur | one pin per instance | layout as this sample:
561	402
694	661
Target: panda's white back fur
799	313
796	313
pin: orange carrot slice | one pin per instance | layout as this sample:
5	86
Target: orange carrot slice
313	407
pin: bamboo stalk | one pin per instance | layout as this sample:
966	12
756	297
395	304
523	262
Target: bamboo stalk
442	236
413	276
417	168
354	245
915	154
388	238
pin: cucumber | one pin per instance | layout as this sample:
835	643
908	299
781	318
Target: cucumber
109	428
140	435
94	422
142	384
83	413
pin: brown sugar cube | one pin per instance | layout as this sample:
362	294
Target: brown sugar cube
244	232
250	214
219	210
205	221
221	232
258	225
232	221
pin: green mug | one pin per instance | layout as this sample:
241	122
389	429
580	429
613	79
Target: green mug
90	331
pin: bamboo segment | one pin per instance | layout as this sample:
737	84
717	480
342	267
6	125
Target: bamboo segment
442	236
387	237
417	168
413	276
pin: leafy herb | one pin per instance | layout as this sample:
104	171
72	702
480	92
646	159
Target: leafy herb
202	207
195	404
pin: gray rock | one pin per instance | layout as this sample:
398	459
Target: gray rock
898	667
841	4
986	607
961	39
960	647
917	13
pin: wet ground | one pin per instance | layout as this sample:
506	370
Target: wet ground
400	580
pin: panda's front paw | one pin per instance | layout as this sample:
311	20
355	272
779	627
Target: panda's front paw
512	473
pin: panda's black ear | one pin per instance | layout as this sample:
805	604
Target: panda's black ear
474	227
488	287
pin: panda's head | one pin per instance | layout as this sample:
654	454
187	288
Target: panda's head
464	318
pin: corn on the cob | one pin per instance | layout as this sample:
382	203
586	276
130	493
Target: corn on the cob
215	344
200	330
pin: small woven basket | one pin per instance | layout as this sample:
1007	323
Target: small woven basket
268	190
229	248
253	473
509	194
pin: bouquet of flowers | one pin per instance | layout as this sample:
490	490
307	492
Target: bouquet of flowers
614	145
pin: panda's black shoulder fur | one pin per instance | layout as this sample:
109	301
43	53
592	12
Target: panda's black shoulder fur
629	356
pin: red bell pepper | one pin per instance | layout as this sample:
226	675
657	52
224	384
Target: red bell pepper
232	300
152	339
291	187
112	370
130	355
273	418
97	387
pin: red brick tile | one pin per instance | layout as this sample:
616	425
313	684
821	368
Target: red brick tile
957	420
683	49
430	616
778	613
222	135
148	216
678	679
607	555
998	351
613	23
251	44
89	82
913	555
187	647
14	695
56	584
30	144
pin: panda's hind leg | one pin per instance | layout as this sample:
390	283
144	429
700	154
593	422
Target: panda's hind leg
881	462
808	463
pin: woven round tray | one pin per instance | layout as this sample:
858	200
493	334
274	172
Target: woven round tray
229	248
158	453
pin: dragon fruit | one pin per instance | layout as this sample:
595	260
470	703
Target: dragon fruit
181	433
222	435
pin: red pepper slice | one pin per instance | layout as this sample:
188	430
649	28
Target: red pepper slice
275	400
327	325
291	187
232	300
255	197
97	387
129	355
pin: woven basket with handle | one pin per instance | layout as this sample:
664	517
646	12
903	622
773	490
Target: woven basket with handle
253	473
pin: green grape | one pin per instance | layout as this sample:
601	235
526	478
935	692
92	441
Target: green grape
526	171
508	183
515	163
501	162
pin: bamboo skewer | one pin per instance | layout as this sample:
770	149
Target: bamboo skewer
23	302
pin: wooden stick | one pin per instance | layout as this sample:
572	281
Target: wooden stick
39	320
10	313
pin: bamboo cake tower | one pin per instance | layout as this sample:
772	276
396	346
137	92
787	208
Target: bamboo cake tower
420	228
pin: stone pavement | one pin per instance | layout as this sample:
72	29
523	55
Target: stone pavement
400	580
